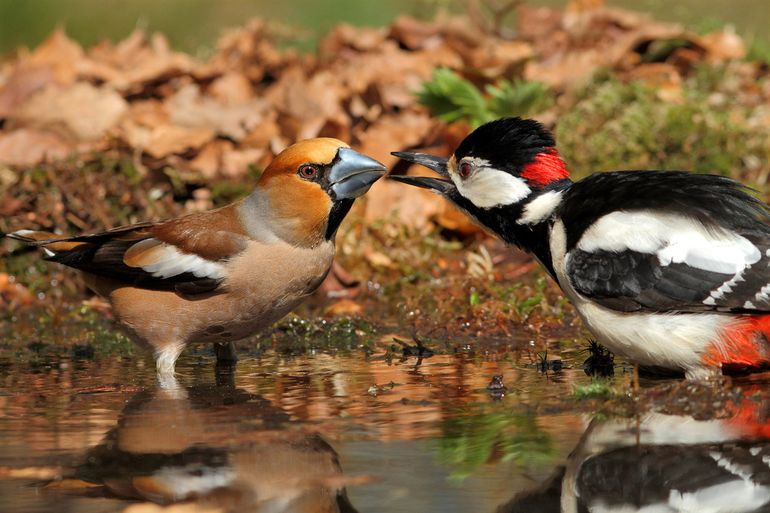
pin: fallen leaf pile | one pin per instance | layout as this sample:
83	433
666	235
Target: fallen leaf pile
218	118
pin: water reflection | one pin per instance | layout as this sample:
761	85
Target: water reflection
430	439
220	446
661	462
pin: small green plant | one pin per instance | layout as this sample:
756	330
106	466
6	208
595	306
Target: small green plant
452	98
536	298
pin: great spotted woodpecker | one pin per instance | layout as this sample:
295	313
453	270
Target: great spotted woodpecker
667	268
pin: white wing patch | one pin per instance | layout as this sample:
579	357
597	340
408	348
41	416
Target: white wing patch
166	261
674	239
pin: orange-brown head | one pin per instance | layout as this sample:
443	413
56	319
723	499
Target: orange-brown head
311	185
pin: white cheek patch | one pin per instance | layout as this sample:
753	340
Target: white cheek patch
488	187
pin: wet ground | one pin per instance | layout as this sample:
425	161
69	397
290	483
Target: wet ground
373	433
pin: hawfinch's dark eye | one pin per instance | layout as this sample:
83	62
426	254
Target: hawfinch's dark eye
308	171
465	169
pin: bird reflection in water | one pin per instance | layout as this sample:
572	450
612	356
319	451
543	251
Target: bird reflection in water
218	447
664	463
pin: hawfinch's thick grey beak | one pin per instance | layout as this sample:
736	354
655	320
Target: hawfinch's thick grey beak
352	174
437	164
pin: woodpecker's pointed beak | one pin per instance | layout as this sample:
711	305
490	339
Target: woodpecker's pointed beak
352	174
437	164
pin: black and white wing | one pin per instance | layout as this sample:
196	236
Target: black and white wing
643	260
666	241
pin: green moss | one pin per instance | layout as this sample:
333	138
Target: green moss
708	129
56	330
759	50
296	335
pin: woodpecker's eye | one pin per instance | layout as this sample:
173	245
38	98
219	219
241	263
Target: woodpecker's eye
308	171
465	169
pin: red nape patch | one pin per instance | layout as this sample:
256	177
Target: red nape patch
746	342
548	167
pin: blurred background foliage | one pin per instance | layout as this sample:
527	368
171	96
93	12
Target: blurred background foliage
194	25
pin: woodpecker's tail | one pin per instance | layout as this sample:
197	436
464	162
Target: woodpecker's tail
746	343
50	242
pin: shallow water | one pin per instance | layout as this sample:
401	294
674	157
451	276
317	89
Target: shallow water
280	434
313	433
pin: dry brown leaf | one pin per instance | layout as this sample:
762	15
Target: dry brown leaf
81	111
723	46
25	80
147	113
13	294
189	109
394	132
497	58
136	62
236	163
568	71
391	76
663	77
398	202
343	307
540	25
450	218
415	34
166	140
345	36
308	104
377	259
29	146
208	162
249	50
63	55
573	44
262	134
412	206
232	88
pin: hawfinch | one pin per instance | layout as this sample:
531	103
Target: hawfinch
225	274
